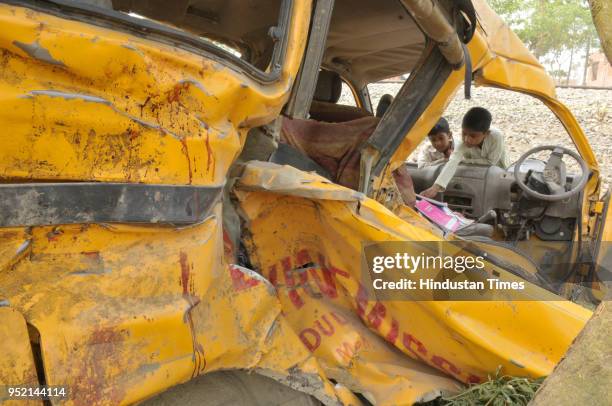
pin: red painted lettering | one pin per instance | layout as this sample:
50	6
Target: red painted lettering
330	328
331	269
330	284
294	296
302	258
473	379
414	346
327	286
377	314
240	280
273	275
445	365
362	300
312	342
393	333
347	351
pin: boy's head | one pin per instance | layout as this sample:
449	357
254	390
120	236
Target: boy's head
440	136
475	126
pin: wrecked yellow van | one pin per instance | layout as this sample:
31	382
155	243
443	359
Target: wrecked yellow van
183	204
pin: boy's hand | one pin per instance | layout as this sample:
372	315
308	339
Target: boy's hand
432	191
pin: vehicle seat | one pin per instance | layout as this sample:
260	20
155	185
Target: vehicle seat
286	154
324	105
383	104
330	149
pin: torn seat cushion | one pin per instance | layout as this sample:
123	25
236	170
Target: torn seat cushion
334	146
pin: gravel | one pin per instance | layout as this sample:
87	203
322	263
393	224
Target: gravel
526	122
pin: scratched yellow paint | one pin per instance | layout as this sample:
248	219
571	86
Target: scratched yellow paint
124	311
16	362
114	107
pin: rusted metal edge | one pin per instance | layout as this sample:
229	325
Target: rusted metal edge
36	204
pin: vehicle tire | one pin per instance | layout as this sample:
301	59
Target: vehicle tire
232	388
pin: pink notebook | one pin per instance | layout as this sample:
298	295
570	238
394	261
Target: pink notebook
442	215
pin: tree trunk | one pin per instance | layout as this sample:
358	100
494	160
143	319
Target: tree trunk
583	376
602	15
569	70
586	60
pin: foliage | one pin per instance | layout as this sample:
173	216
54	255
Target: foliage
500	390
550	27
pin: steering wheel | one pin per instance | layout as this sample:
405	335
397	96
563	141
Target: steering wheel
553	175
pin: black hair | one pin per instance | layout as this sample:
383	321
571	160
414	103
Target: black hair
477	119
440	127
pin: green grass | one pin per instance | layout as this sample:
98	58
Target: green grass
500	390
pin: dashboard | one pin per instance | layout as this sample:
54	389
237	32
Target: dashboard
477	189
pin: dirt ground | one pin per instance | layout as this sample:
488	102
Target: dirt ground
526	122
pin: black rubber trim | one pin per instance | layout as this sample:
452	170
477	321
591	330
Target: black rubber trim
38	204
467	8
467	81
151	30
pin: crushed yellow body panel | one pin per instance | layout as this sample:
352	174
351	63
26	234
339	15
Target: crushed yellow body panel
315	264
96	104
124	312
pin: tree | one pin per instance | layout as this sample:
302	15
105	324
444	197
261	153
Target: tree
551	28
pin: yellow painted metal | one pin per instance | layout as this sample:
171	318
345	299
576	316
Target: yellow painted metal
96	104
16	360
598	206
315	263
124	311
